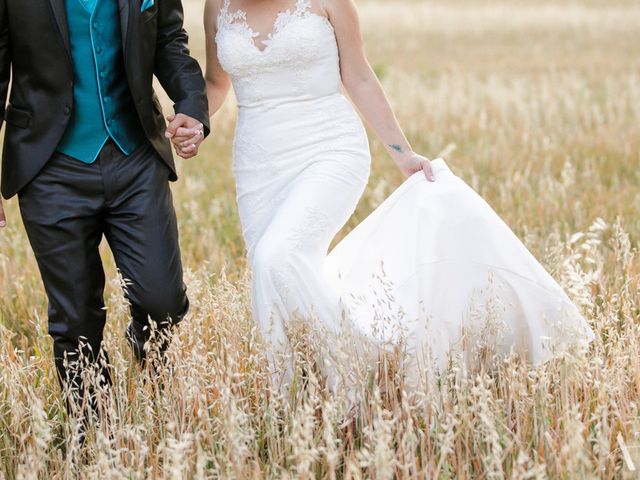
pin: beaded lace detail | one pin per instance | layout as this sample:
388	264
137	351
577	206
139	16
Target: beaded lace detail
238	20
300	51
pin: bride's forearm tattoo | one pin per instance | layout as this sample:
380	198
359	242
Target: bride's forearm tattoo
396	147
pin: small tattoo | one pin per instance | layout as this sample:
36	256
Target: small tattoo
396	147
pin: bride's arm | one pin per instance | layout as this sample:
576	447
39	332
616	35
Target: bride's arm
217	80
365	90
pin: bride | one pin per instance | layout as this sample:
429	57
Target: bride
431	269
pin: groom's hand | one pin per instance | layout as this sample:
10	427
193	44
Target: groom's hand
3	219
181	126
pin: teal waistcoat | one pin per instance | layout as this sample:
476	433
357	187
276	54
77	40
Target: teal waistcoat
102	104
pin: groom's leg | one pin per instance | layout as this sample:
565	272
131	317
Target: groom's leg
62	213
143	234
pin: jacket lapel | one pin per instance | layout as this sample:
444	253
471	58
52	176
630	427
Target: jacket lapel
124	6
60	14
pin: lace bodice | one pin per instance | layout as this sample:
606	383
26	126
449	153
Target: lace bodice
298	60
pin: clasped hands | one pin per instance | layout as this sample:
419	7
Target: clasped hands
186	134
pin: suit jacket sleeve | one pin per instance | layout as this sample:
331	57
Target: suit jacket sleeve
5	58
178	72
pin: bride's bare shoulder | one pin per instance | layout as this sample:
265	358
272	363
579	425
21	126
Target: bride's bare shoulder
336	6
212	8
213	5
336	3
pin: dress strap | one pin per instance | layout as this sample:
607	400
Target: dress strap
224	17
303	6
222	14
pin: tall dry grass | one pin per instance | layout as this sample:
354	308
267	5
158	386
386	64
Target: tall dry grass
542	101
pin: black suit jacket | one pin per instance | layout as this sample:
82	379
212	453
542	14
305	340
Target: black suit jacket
35	52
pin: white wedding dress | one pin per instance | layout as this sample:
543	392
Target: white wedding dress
433	265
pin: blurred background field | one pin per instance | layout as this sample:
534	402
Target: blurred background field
541	102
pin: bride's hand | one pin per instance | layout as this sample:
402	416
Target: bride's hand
413	163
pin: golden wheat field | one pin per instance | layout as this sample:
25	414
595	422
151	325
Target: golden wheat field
538	104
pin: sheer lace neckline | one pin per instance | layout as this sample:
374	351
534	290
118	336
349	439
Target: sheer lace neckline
238	18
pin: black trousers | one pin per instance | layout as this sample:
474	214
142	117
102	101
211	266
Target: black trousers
67	209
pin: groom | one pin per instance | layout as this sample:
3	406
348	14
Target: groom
86	151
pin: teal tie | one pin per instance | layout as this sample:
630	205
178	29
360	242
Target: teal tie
90	5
